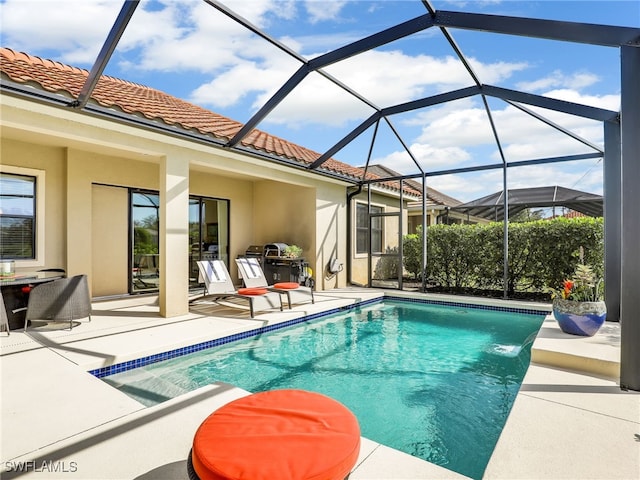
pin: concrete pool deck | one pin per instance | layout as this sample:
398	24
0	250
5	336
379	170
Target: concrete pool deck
570	419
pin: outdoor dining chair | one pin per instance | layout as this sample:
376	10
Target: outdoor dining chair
63	300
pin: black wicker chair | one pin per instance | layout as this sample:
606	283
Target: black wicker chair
61	300
4	319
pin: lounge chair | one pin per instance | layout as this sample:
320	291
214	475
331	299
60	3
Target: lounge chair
218	286
253	277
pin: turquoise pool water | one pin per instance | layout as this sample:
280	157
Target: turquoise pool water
436	382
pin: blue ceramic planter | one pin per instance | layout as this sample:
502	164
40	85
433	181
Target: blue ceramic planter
579	318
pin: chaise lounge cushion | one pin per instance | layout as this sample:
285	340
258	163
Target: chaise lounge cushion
279	434
252	291
287	285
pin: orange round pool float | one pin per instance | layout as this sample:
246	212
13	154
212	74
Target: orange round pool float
280	434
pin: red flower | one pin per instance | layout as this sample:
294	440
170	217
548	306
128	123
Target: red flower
568	286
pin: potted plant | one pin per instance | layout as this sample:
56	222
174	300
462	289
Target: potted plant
292	251
579	306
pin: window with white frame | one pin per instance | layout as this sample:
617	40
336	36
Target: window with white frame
21	215
362	229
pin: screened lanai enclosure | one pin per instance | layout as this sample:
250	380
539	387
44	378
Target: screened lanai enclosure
324	83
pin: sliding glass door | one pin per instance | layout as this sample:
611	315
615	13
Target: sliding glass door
208	237
208	232
145	247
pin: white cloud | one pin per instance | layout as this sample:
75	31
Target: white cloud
584	175
464	187
237	67
322	10
384	77
429	158
78	29
522	136
494	73
609	102
558	79
261	12
463	127
447	132
194	37
222	91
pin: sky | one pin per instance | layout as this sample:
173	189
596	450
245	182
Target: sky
191	50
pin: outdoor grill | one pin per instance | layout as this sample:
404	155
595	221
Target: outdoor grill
254	251
278	268
274	249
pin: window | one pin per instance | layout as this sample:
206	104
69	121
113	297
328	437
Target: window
17	216
362	229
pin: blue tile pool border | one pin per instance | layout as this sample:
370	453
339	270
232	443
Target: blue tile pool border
447	303
179	352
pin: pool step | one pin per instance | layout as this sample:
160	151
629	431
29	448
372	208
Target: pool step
597	355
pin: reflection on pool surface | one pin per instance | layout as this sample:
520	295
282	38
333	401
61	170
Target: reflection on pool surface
434	381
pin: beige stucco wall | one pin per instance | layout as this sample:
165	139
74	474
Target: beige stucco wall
109	240
83	155
52	161
285	213
331	235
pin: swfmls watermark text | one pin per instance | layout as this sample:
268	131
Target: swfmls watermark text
41	466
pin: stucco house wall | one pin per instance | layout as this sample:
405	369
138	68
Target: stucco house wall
86	160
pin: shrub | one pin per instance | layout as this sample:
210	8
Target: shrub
412	253
541	253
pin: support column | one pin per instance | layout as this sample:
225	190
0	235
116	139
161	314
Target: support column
174	237
612	218
424	233
630	253
505	229
78	216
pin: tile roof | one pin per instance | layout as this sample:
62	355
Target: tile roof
434	197
156	105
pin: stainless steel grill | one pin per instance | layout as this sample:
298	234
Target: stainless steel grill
274	249
277	267
255	251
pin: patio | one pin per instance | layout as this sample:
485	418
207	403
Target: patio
564	423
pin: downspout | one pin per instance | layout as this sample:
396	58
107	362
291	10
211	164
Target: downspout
350	196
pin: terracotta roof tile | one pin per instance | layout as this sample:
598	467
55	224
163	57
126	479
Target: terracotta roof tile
156	105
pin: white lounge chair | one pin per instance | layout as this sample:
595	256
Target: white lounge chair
253	276
218	286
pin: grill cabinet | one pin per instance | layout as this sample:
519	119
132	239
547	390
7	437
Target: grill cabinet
281	269
278	268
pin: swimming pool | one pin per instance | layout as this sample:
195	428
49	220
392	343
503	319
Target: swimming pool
434	381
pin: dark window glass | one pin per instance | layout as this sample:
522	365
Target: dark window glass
376	231
362	229
17	216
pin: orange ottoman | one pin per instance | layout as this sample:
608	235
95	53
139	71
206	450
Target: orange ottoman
276	435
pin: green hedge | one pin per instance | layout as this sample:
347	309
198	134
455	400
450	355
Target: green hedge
541	253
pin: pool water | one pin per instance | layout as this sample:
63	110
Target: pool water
434	381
